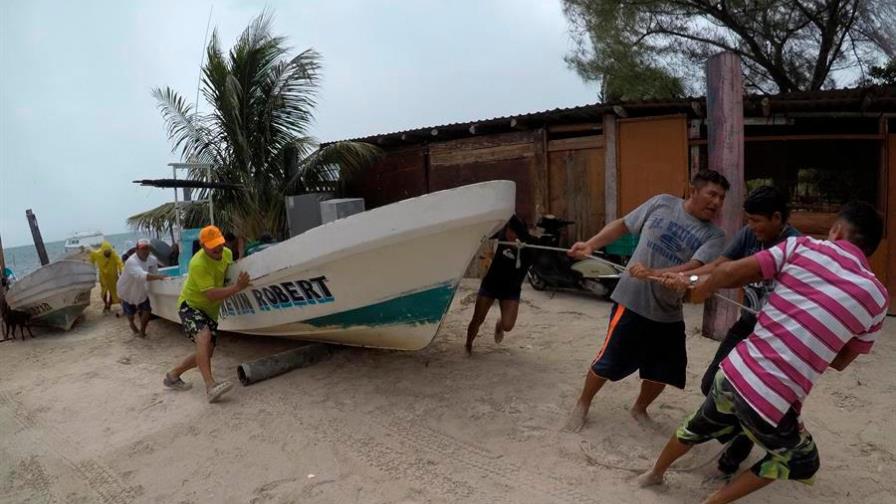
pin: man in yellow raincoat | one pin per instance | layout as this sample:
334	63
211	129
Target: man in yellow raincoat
109	266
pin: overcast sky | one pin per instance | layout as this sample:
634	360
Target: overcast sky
78	124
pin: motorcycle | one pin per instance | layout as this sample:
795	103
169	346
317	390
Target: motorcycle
553	269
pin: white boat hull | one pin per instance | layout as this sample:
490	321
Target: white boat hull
56	294
384	278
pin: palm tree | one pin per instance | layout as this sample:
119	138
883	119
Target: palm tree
256	134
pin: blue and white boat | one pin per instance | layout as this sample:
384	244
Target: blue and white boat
383	278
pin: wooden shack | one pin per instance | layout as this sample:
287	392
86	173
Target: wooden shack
593	163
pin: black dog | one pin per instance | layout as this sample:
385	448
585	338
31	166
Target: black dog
12	319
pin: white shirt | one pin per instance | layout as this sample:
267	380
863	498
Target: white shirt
132	284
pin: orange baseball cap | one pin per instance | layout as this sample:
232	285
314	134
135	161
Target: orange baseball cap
211	237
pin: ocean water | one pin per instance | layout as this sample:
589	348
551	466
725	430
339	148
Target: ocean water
23	260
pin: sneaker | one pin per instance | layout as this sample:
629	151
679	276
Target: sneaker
217	390
176	384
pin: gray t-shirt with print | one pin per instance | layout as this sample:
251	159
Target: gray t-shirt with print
669	236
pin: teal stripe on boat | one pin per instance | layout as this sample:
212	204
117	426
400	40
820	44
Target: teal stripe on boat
421	307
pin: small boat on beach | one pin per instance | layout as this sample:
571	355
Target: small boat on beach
83	241
55	294
383	278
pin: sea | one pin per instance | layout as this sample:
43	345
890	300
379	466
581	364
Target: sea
23	260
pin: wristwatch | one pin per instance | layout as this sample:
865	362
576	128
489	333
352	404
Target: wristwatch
692	281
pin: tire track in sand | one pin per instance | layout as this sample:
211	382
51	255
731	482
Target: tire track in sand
406	449
98	477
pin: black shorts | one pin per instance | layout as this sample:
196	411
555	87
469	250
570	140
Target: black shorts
737	333
635	343
502	291
130	309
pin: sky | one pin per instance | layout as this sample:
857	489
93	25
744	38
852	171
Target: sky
78	122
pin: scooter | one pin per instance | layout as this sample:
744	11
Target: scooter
556	270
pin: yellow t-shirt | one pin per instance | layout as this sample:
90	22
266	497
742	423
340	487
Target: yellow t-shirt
203	274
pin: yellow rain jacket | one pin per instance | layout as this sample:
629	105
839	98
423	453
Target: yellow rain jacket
108	268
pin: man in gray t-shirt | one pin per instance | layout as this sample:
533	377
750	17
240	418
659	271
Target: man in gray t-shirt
646	331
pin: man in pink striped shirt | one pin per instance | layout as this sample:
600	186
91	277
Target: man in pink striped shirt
826	309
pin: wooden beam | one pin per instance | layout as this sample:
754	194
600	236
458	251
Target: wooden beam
768	121
2	261
890	220
724	104
611	170
577	143
694	127
454	156
766	107
540	178
620	111
799	138
38	240
573	128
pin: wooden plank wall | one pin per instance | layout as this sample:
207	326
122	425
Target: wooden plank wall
507	156
398	175
576	184
890	242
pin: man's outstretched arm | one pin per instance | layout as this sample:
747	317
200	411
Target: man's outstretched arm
610	233
727	275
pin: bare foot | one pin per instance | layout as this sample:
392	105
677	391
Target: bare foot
142	334
641	416
576	419
717	477
649	479
134	329
469	344
499	332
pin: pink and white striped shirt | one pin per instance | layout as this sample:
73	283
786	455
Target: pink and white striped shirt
825	298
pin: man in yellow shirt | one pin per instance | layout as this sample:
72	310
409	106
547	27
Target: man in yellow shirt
109	266
198	304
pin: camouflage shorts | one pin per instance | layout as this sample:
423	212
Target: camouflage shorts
194	320
790	452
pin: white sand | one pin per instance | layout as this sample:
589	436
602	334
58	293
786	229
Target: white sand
84	418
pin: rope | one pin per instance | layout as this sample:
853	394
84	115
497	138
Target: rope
521	245
619	267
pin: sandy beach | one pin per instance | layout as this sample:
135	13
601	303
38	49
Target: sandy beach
84	419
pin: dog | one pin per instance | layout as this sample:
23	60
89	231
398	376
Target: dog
12	319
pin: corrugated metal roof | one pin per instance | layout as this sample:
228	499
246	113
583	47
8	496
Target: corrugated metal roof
870	100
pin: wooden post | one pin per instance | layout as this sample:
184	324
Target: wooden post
2	261
725	117
611	186
38	241
694	134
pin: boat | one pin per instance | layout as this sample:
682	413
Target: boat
56	294
384	278
84	241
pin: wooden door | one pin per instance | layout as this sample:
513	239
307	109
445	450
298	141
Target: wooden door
576	184
653	159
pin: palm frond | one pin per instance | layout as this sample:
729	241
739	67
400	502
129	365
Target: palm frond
256	133
333	164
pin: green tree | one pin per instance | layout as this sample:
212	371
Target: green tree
644	48
256	134
885	75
